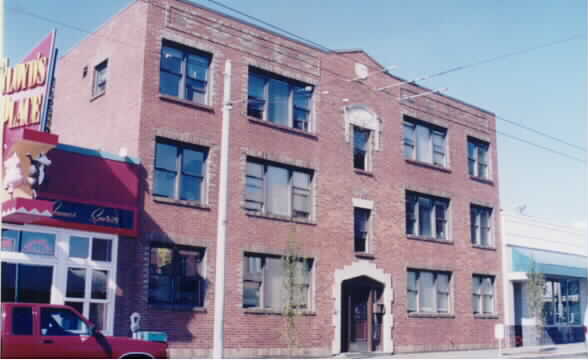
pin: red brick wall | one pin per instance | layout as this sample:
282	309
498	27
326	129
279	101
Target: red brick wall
329	239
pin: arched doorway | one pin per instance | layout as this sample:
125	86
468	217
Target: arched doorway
364	279
362	314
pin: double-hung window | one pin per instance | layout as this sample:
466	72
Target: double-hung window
481	225
483	294
279	100
100	72
361	148
428	291
427	216
176	275
278	190
179	171
425	142
478	158
271	282
184	73
361	220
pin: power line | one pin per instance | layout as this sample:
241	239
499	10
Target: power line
337	75
427	77
581	148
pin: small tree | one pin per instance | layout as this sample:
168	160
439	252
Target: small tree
535	298
293	264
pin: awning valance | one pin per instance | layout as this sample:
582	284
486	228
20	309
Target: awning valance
549	262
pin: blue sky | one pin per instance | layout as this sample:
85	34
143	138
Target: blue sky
544	89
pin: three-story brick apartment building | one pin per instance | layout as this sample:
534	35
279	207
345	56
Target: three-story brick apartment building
389	199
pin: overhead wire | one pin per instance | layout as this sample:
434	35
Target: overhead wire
65	25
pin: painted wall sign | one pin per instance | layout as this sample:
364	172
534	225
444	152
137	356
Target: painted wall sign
93	215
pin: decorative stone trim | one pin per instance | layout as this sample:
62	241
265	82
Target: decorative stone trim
362	116
363	203
369	269
482	180
427	165
428	191
431	315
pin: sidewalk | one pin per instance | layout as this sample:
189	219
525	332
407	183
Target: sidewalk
545	351
527	352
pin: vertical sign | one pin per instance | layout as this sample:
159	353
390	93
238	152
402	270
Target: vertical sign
25	91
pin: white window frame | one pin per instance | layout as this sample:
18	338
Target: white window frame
416	211
429	147
478	294
476	221
291	189
267	76
61	261
368	167
99	88
479	145
262	300
436	291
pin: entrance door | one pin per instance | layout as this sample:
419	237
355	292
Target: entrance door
361	325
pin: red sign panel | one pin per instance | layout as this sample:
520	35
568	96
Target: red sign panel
25	90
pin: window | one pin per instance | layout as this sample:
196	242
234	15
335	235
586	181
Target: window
361	148
176	276
62	322
184	73
179	171
26	283
361	220
429	291
279	100
481	220
425	143
427	216
268	283
478	158
277	190
483	294
22	321
28	242
562	302
100	72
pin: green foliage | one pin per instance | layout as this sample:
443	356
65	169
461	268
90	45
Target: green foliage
293	270
535	297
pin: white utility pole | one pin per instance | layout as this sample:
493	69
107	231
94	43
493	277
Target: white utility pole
221	228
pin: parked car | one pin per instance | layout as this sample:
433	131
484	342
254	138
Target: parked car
59	331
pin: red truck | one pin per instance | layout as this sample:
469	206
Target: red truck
59	331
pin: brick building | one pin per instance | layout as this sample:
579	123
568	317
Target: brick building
389	202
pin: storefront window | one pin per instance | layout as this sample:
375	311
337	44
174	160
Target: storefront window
562	302
34	243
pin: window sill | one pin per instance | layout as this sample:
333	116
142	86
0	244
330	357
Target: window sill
186	203
97	96
486	316
489	248
482	180
364	255
187	103
279	218
428	239
179	308
256	311
284	128
428	166
364	172
426	315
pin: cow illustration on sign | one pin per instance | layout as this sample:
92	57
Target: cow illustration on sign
13	176
37	171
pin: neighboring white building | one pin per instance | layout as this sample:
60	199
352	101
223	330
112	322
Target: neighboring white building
560	253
